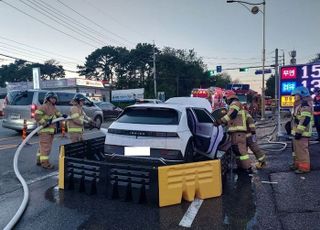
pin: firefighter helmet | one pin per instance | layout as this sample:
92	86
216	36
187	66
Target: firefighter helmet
78	97
50	95
302	91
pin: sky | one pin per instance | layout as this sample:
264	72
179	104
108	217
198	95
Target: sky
222	34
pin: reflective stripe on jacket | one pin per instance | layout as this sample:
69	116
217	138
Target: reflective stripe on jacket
78	117
301	115
238	123
45	113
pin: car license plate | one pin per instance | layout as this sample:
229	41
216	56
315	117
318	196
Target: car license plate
14	116
137	151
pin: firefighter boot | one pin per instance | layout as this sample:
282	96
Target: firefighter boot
38	159
46	165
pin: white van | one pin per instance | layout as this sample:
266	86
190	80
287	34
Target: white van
21	105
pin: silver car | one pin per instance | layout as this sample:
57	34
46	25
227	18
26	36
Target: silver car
21	105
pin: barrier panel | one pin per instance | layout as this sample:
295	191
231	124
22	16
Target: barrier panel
84	167
188	181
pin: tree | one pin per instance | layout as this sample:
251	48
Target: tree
21	70
270	88
316	59
101	64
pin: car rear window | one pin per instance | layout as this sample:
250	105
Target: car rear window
63	98
150	116
20	98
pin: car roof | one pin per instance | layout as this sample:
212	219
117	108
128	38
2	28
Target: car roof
191	102
169	105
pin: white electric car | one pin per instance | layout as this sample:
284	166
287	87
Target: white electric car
178	129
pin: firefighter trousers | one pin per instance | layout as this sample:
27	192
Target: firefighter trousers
75	137
45	145
301	152
254	147
239	147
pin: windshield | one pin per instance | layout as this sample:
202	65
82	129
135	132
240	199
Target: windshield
20	98
150	116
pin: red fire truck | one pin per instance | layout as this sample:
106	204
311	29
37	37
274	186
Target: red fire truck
213	94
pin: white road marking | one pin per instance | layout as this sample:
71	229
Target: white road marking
191	213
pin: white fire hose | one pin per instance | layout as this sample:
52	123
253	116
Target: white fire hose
25	200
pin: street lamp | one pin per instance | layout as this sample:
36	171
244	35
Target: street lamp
255	9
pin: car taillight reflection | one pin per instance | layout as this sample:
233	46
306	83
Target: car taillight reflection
33	110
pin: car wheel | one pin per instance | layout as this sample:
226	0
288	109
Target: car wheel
98	121
189	153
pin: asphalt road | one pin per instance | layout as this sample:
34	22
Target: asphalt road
246	203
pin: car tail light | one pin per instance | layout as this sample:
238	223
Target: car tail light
33	110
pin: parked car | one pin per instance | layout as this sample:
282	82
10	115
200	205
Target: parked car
21	105
2	102
152	101
109	110
173	131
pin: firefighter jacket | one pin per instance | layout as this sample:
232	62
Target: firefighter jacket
316	102
235	118
78	117
302	119
43	114
251	127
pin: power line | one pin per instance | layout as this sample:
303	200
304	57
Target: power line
16	58
77	23
64	24
70	8
52	27
39	49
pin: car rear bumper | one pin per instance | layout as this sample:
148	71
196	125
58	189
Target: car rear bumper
18	124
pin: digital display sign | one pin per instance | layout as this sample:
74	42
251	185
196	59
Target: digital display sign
299	75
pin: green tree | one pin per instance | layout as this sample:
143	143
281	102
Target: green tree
21	70
100	64
316	59
270	88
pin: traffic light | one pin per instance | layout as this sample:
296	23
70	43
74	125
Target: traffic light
219	68
243	69
211	73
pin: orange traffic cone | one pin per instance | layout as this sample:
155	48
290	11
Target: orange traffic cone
24	129
63	129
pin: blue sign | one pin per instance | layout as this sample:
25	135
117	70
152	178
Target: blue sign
219	68
288	87
259	71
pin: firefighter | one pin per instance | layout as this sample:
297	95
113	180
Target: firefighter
44	116
316	112
302	122
235	119
252	142
78	118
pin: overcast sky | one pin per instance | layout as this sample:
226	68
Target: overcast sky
223	34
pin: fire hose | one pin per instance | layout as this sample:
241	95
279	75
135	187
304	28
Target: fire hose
25	200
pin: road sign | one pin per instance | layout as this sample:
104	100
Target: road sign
259	71
307	75
219	68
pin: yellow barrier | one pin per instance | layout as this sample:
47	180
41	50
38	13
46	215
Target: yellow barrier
61	168
187	181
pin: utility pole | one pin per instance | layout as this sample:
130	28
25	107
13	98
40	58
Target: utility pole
154	71
277	96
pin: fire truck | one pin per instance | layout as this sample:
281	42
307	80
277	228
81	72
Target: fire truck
213	94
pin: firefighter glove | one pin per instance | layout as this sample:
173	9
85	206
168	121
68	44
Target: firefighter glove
64	116
253	132
298	136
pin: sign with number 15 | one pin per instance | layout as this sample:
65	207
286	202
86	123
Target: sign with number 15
307	75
